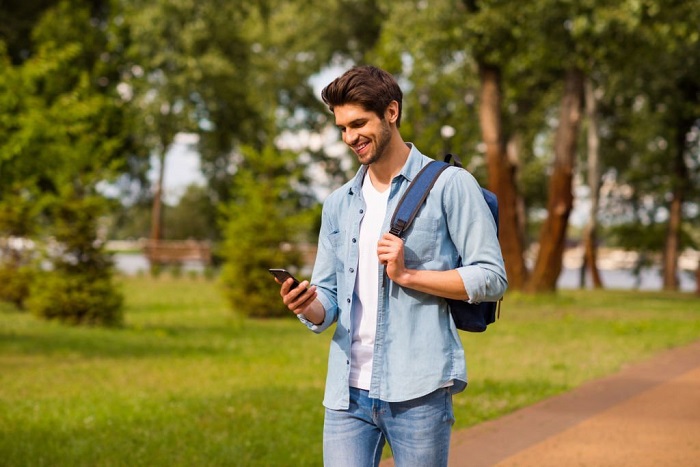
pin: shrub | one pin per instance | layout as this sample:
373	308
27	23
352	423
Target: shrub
76	299
78	288
15	284
260	221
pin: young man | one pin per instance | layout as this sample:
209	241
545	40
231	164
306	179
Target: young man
395	358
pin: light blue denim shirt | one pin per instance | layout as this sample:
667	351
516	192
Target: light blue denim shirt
417	348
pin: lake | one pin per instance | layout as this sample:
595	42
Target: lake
649	278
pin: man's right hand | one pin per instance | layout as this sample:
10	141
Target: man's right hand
302	300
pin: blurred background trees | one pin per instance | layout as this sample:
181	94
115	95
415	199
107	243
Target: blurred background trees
558	107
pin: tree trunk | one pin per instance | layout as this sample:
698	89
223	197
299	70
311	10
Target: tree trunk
681	180
593	144
501	176
157	209
671	244
553	234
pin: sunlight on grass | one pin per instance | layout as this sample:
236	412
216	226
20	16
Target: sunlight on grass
186	381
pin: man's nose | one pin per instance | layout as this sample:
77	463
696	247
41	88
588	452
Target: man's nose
350	136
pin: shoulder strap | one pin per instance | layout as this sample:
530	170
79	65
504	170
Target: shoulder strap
415	195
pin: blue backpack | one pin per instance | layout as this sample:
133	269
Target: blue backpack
472	317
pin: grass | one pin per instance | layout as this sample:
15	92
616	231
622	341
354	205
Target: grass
186	382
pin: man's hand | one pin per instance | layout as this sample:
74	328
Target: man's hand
447	284
390	254
301	300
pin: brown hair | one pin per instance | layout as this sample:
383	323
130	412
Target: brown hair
367	86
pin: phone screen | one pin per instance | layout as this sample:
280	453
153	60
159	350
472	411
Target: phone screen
282	275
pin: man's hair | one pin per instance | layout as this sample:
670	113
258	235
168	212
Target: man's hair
367	86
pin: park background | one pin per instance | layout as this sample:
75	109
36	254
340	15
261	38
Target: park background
583	118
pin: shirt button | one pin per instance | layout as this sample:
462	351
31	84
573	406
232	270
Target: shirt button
348	300
352	270
354	240
361	211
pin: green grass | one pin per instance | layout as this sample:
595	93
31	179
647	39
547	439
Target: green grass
186	382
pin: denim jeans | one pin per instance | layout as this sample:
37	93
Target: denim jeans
418	431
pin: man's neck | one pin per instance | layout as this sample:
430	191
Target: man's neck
383	171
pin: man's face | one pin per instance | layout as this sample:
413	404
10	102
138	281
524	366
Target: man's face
366	134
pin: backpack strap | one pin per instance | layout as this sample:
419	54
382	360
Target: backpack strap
457	161
415	195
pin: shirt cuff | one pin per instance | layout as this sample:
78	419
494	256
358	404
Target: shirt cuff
474	281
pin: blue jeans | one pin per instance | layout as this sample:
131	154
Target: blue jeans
418	431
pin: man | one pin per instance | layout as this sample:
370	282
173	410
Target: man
396	358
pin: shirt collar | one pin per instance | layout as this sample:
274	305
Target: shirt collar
413	164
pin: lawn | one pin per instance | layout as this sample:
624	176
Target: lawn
187	382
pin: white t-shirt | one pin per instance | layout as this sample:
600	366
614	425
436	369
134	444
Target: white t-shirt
364	312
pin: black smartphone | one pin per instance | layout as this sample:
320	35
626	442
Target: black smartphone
282	275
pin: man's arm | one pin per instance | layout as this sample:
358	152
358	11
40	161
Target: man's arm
482	274
447	284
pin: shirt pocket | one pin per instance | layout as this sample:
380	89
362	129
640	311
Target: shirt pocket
420	242
335	240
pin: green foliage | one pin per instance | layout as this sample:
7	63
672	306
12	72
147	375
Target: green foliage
645	238
89	91
19	215
262	225
79	288
67	135
15	283
77	298
194	217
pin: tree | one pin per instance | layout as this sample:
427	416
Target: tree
680	93
261	228
590	237
654	95
19	18
493	46
560	200
194	217
68	135
158	80
21	200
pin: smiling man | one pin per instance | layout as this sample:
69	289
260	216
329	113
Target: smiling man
396	358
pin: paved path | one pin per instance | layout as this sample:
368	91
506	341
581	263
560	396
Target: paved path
646	415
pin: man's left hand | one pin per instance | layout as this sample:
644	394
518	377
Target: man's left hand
390	254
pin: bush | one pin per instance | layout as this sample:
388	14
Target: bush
76	299
15	283
78	288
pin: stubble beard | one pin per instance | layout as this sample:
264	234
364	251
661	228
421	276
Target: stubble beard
382	143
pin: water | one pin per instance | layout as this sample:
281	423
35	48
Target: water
649	278
132	264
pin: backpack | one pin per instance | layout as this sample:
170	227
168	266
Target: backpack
472	317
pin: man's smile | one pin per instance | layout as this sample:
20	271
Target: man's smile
360	147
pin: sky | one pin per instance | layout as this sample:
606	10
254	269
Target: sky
182	168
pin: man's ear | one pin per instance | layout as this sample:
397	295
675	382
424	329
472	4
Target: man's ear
391	114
